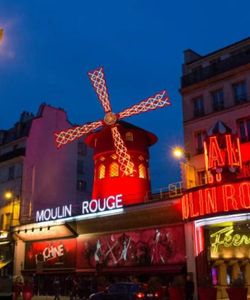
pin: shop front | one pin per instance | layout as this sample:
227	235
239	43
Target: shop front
136	243
218	215
6	264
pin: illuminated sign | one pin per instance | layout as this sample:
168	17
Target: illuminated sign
230	242
88	207
217	199
54	213
51	252
109	203
3	234
54	253
221	152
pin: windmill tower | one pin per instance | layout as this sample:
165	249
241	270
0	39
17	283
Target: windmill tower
108	178
113	140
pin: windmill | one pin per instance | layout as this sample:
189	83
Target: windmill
98	81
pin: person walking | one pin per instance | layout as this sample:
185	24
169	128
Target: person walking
189	288
56	286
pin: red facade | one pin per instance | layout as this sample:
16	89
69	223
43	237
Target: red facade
109	180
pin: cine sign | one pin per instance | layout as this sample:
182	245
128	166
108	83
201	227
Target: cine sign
217	199
88	207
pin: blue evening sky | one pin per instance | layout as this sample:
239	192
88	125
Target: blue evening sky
50	45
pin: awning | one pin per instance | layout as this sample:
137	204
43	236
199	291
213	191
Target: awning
4	263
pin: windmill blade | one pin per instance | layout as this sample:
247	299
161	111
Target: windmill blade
98	81
156	101
71	134
124	159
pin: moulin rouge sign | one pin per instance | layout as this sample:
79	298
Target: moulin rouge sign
110	203
222	154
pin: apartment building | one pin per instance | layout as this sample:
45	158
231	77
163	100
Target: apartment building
215	91
38	175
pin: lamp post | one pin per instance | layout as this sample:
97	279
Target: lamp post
1	35
187	170
10	196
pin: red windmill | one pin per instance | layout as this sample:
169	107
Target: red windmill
110	119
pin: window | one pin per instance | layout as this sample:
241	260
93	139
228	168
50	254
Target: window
240	92
81	185
11	173
8	218
80	167
199	140
129	136
142	171
114	169
101	171
198	107
202	178
218	100
244	129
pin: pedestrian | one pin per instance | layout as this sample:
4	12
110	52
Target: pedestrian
189	288
75	288
56	286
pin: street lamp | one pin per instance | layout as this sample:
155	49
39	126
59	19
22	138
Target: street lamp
1	35
10	196
187	170
178	152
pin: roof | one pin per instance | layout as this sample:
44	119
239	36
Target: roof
243	41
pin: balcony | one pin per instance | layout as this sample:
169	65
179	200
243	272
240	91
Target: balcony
215	69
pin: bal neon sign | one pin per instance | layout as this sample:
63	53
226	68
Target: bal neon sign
94	206
225	237
221	152
217	199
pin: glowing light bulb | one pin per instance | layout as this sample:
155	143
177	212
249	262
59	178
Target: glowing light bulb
178	152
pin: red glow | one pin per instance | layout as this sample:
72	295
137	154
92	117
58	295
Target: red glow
218	199
199	240
134	188
215	158
140	295
221	153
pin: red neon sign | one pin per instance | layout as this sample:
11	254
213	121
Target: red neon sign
231	197
222	152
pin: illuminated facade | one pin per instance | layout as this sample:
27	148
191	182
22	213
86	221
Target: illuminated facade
109	179
31	168
215	93
123	230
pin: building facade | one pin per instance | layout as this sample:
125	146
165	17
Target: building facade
31	170
215	91
123	231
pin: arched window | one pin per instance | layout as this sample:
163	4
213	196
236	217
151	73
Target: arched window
142	171
114	169
129	136
101	171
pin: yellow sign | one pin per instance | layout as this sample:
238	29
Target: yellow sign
225	243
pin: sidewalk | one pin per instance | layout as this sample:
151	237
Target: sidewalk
47	298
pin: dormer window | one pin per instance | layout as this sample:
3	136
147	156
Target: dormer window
101	171
142	171
129	136
114	169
